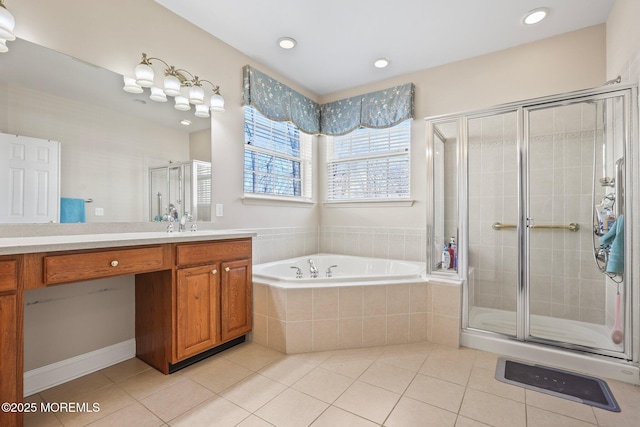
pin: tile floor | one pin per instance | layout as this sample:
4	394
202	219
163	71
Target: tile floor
254	386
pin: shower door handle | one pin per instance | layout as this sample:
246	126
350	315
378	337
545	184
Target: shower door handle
619	183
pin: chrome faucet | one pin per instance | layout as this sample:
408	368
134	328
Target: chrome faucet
183	222
313	270
329	272
298	272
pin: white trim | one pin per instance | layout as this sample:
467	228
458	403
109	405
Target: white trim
367	203
60	372
265	199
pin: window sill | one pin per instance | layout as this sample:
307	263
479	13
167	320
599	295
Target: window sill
254	199
368	203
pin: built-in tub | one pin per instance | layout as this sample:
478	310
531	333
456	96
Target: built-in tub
366	302
346	271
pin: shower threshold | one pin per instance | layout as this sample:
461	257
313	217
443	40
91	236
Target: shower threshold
585	334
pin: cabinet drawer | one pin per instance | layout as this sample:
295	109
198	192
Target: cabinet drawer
94	265
203	253
8	275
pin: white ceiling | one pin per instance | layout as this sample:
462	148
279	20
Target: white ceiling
339	39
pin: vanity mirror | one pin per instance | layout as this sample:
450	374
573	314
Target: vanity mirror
109	138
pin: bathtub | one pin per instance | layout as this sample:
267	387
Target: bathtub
366	302
348	271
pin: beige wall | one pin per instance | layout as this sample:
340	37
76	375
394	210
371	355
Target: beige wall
564	63
623	37
113	34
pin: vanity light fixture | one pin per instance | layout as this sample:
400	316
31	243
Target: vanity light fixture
287	42
381	62
7	24
534	16
184	87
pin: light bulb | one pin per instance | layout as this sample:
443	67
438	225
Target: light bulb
7	24
196	95
182	103
171	85
144	75
157	94
217	103
202	110
131	86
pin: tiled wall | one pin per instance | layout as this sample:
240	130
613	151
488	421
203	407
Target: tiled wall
320	319
274	244
378	242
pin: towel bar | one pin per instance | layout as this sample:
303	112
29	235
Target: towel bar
571	227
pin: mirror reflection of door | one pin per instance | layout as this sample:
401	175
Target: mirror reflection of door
29	172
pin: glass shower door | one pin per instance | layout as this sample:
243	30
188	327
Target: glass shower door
571	148
493	221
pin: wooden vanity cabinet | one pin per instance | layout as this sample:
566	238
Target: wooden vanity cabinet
10	340
197	310
207	304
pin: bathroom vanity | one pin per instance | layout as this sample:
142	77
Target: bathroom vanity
192	292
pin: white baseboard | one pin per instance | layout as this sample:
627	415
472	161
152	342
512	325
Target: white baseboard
49	376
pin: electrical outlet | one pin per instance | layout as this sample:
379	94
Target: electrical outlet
99	211
219	209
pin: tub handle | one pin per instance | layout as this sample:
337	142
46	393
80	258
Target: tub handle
298	272
329	270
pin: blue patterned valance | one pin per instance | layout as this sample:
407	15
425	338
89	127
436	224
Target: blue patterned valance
278	102
381	109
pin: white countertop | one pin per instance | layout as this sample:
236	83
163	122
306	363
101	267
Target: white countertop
32	244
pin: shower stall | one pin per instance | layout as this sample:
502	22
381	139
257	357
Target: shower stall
539	197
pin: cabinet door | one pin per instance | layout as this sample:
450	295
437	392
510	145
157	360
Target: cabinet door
236	298
10	377
197	325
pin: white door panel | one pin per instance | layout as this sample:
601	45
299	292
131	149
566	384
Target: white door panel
30	169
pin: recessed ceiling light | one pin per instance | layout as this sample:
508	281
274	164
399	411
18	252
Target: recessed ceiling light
535	16
185	122
287	42
381	62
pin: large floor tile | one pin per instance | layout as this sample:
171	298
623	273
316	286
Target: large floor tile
411	413
537	417
493	410
323	384
436	392
292	409
176	399
351	366
134	415
451	370
70	390
368	401
252	356
124	370
219	375
253	392
111	399
336	417
560	406
485	380
216	411
286	371
388	377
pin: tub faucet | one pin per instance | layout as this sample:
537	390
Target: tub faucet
329	272
298	272
313	270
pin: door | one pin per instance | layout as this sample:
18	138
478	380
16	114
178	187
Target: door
571	155
29	171
236	299
197	310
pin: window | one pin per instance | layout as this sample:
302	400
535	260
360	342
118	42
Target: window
277	157
369	164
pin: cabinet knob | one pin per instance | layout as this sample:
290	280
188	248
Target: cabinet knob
227	269
214	271
114	263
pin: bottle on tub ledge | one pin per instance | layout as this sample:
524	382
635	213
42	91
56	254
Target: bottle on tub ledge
453	253
446	258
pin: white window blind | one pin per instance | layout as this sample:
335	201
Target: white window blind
277	157
370	164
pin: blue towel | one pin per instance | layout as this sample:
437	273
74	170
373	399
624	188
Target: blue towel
72	210
615	239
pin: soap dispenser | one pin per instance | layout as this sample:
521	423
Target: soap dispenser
446	258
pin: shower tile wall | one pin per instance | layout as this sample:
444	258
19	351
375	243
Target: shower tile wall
564	281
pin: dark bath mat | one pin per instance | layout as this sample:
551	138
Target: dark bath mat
567	385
